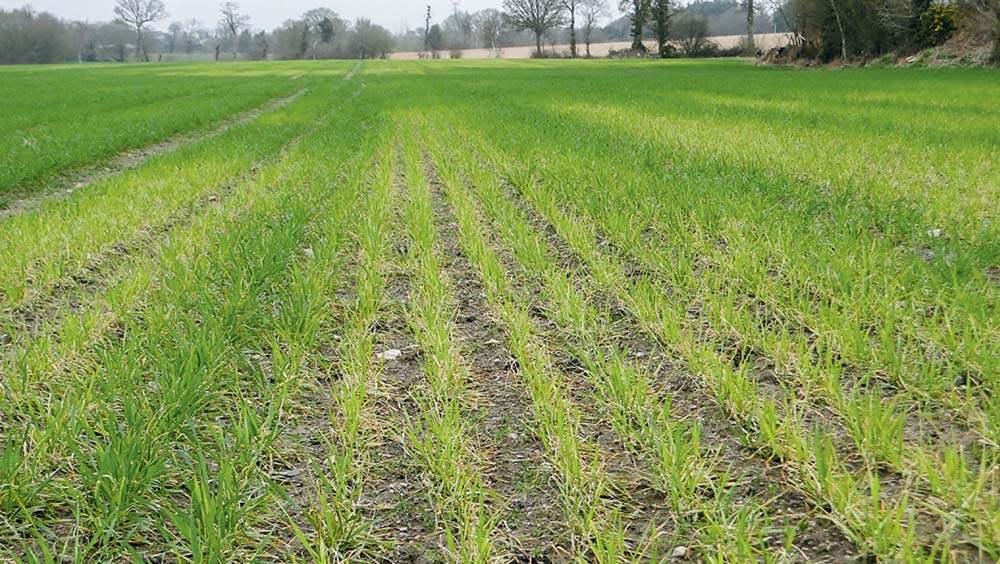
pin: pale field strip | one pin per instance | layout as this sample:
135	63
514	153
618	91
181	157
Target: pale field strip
764	41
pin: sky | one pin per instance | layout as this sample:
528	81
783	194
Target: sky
396	15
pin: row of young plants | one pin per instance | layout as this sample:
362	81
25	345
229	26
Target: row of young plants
956	476
879	522
693	483
75	116
841	288
68	236
632	215
336	528
599	530
441	435
872	525
163	436
822	260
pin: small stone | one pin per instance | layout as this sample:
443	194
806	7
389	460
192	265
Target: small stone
288	473
309	253
679	552
391	354
213	198
934	233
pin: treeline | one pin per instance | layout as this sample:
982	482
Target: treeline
823	29
27	36
847	29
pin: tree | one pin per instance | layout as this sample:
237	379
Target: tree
571	7
27	37
175	35
750	42
659	11
193	32
593	10
638	11
539	16
457	29
370	41
435	40
489	25
291	40
136	14
691	31
233	21
840	27
259	46
995	58
324	23
990	9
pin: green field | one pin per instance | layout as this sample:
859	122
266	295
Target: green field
498	311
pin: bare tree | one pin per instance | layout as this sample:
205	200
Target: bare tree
692	33
592	11
537	15
571	7
489	26
233	21
193	32
136	14
750	46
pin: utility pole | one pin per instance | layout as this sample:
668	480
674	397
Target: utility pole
427	25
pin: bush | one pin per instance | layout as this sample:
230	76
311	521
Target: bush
938	23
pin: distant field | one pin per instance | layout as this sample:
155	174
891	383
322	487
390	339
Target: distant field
764	41
499	311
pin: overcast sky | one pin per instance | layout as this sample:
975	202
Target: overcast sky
267	14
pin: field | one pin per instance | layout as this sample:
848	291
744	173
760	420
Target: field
499	311
764	42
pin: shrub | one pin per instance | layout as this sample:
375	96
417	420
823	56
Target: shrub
938	23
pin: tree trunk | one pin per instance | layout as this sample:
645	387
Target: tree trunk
750	42
538	44
843	36
138	44
996	40
638	23
572	32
